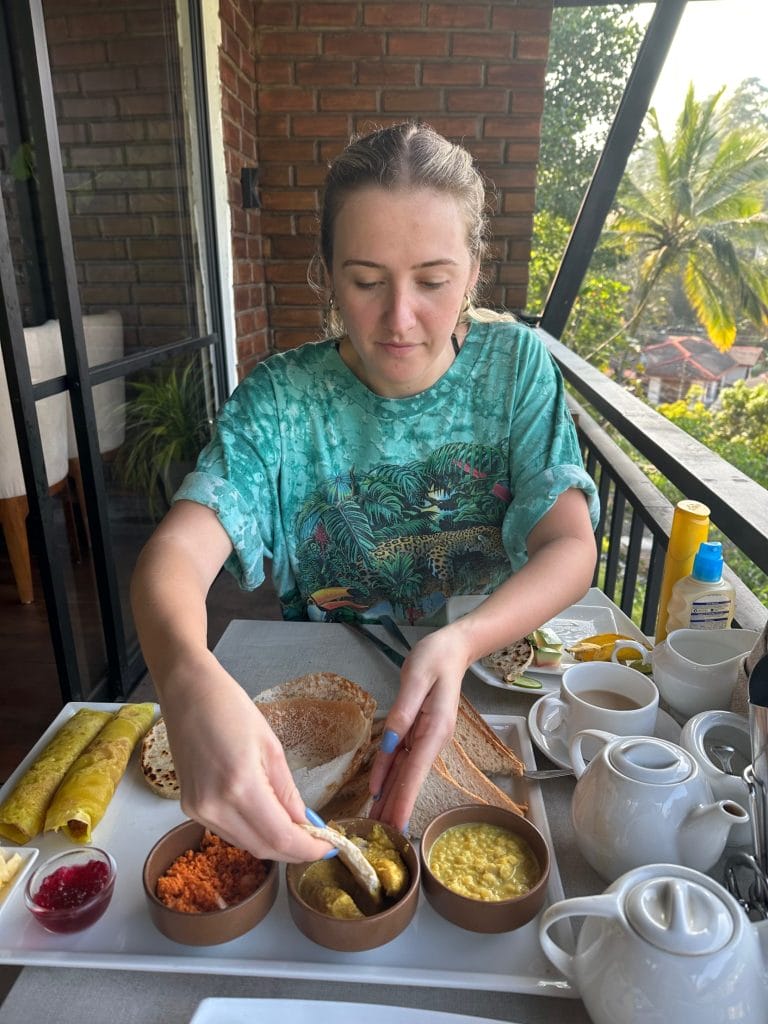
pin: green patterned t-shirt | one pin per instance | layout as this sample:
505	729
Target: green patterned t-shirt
367	505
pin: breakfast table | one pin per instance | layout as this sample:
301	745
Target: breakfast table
261	654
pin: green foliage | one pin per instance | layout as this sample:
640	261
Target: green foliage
692	209
167	425
591	50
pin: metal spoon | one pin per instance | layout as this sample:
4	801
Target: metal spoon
546	773
723	754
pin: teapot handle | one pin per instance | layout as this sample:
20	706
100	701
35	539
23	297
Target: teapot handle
605	905
574	749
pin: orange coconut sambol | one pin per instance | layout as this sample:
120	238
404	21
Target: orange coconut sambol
211	878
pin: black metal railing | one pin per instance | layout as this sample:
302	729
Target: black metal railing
636	516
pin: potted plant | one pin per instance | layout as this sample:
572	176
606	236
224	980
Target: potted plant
167	423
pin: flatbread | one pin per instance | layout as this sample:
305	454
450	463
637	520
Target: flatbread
511	661
324	742
157	762
80	802
22	813
323	686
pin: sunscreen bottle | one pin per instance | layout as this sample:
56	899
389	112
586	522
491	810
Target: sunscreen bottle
703	600
690	526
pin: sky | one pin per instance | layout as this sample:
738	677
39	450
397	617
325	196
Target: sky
718	42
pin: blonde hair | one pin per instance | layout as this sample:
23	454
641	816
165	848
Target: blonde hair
410	154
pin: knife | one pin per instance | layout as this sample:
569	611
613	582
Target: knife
390	652
756	774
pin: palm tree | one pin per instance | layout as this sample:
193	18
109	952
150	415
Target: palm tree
693	209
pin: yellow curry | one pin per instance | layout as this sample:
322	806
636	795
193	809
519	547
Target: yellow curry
484	862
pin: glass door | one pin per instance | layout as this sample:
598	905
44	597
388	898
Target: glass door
110	324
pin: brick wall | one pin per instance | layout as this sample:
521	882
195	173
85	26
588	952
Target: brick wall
475	71
122	131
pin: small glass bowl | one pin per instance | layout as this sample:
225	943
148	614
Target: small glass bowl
80	893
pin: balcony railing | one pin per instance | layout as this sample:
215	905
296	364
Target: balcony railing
635	516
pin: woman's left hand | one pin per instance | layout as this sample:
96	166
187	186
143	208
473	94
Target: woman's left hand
419	724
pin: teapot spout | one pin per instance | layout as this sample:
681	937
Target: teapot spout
705	831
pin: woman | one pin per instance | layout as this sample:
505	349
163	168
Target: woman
423	449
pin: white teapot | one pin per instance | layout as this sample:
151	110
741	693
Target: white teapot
663	944
643	800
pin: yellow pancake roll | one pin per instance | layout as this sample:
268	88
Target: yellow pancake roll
81	800
22	813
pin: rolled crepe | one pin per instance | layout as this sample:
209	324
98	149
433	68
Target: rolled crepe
22	813
81	800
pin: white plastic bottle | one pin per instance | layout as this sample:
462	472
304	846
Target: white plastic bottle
703	600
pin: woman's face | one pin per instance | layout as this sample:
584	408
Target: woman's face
401	269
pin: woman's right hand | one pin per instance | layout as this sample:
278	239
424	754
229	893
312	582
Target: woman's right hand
232	770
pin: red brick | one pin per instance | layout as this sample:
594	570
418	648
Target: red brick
96	156
411	100
320	124
78	54
72	133
116	131
95	26
105	295
532	47
395	15
481	44
271	124
310	175
484	101
522	19
149	50
515	176
348	99
528	75
111	271
152	202
289	316
274	73
485	151
385	72
452	73
100	202
108	80
325	73
274	224
293	199
140	104
159	294
518	202
279	14
285	272
286	151
455	127
354	44
275	175
292	98
417	44
526	101
461	16
87	109
331	15
101	249
295	295
284	44
292	248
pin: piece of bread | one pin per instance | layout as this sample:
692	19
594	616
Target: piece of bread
324	742
482	744
157	762
439	793
511	661
321	686
461	768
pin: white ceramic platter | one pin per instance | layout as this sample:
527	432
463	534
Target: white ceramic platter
595	613
430	952
309	1011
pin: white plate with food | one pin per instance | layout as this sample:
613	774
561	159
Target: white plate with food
309	1011
430	952
595	614
542	719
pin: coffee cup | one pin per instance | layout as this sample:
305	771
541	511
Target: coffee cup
601	695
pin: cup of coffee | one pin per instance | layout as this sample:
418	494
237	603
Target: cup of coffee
602	695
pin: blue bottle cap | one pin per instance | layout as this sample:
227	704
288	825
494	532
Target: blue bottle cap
708	563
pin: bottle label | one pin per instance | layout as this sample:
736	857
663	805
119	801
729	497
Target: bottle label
711	611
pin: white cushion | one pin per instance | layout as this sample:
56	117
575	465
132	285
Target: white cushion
103	343
46	359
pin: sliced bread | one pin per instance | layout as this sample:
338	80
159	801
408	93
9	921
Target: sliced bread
482	744
459	766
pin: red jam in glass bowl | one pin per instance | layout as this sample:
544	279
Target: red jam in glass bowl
72	890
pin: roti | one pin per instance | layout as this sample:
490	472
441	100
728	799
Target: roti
511	661
157	763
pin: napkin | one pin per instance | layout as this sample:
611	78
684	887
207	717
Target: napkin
740	698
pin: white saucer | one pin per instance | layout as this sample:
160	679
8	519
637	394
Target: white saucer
555	748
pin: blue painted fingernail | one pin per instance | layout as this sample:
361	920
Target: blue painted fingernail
389	741
333	852
376	797
314	818
407	828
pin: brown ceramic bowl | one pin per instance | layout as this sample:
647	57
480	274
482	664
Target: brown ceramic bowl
353	936
213	927
484	915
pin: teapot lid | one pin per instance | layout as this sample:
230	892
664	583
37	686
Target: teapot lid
679	915
652	761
